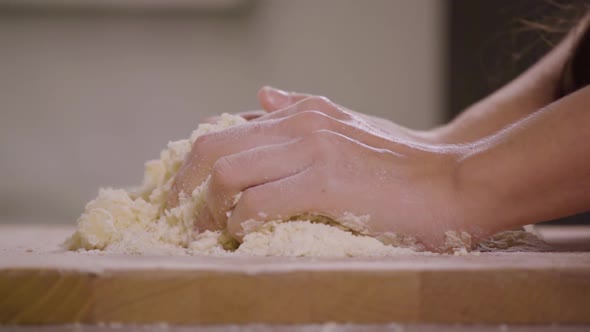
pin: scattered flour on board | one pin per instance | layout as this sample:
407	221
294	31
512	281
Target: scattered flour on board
135	221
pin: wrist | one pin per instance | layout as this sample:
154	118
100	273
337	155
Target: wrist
446	196
431	136
443	134
485	192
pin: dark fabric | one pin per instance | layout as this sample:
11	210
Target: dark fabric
576	73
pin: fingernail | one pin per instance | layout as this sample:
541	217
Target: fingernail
278	98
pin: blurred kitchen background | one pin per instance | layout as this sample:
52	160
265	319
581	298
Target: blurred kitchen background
90	90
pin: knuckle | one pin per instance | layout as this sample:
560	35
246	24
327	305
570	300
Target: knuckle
221	174
248	203
325	106
316	103
342	114
201	143
312	120
248	199
320	102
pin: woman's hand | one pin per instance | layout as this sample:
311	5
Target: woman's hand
316	158
272	99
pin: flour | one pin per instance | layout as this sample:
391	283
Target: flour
135	221
457	242
511	241
304	238
358	224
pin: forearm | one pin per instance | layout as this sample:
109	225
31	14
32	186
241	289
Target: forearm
494	113
531	91
535	170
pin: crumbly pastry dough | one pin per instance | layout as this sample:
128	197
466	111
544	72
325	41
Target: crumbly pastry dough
135	221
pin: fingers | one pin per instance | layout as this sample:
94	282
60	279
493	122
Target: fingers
311	191
207	149
235	173
292	196
272	99
210	147
319	104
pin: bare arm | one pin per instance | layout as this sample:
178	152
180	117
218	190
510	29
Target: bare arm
535	170
529	92
316	158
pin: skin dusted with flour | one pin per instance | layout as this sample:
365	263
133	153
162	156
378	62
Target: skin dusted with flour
316	158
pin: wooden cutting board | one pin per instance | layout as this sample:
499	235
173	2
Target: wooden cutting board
43	284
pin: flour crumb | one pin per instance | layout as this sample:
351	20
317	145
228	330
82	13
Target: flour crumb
512	241
358	224
304	238
457	243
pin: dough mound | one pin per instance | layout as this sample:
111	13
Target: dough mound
135	221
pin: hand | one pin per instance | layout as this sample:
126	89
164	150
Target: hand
272	99
316	158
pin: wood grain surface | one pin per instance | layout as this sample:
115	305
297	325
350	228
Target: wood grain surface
43	284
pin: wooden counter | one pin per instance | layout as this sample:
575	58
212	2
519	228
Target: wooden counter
41	283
